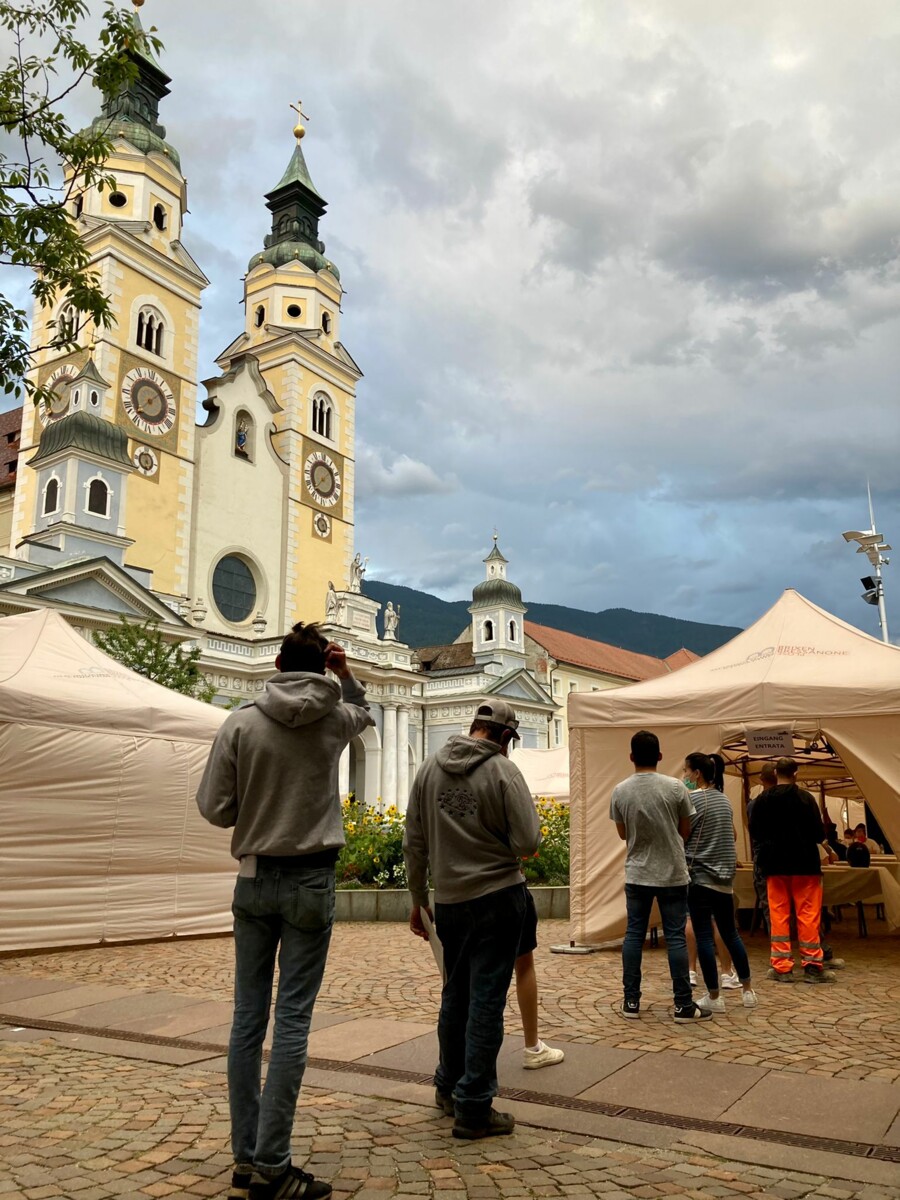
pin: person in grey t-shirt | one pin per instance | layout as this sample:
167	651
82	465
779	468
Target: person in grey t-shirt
653	814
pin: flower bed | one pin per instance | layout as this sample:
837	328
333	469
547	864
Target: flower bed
373	855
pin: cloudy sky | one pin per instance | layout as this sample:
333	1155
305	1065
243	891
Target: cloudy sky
623	277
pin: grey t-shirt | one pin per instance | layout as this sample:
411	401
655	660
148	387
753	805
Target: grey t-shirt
650	806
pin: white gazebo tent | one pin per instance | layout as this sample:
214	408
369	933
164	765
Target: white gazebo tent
798	672
546	771
100	837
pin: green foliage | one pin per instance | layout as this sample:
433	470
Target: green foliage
373	855
44	165
550	866
143	649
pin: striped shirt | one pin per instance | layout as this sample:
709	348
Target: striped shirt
710	850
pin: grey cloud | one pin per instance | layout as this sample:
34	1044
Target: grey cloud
404	476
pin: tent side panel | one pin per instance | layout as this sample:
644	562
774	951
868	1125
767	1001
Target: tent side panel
870	749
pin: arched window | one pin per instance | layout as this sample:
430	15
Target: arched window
322	416
76	398
259	316
512	631
160	220
95	399
67	324
326	322
79	204
150	329
51	497
98	495
489	631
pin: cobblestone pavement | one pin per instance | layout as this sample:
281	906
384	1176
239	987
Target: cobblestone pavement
848	1031
81	1126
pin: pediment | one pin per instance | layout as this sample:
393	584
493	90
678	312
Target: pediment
519	685
94	583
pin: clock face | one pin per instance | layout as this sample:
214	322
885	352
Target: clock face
323	482
145	460
148	401
57	406
322	525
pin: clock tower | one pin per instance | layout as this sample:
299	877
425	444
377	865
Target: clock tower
149	356
292	332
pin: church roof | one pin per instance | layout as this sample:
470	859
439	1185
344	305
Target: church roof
297	172
597	656
496	591
84	431
455	657
10	423
90	374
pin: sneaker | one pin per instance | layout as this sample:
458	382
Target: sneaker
544	1056
691	1012
818	975
711	1006
631	1009
291	1184
240	1181
749	999
780	976
692	975
444	1103
496	1124
730	981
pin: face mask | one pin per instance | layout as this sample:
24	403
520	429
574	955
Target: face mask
690	785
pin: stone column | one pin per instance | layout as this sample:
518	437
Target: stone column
389	756
344	773
402	758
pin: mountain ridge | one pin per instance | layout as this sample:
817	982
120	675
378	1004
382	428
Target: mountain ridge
426	620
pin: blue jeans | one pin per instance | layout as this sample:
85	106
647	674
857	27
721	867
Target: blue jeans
481	941
707	905
288	910
672	902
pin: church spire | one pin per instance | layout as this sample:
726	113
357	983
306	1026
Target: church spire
296	209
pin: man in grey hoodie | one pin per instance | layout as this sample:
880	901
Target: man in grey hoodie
272	776
470	820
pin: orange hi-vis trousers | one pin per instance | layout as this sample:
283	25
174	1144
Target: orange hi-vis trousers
805	891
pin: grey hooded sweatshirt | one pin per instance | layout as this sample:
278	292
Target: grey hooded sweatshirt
272	772
470	819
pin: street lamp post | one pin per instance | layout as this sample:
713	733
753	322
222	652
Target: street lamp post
870	543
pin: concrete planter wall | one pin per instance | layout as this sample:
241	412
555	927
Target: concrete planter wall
373	904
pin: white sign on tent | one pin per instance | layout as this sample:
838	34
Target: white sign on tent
770	741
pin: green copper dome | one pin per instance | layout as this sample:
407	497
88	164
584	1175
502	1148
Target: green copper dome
492	592
84	431
140	136
296	209
286	252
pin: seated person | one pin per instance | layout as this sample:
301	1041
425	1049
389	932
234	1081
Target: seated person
858	854
862	836
847	840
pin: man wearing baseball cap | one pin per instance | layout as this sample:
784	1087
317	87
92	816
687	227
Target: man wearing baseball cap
470	820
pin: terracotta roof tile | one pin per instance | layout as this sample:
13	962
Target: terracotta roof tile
444	658
597	656
681	658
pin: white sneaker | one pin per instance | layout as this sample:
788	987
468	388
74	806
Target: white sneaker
730	980
707	1004
750	1000
692	975
544	1056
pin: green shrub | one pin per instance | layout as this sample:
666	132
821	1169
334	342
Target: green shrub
373	855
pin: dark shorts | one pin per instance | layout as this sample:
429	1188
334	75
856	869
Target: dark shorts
528	938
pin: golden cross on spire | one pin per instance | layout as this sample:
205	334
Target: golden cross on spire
299	128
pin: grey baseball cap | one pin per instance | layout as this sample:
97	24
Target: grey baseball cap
500	713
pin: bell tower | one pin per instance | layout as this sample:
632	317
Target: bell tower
133	233
292	303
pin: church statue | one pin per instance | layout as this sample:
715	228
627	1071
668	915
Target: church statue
240	439
331	605
391	622
357	571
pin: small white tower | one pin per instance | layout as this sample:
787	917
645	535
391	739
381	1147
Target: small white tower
498	614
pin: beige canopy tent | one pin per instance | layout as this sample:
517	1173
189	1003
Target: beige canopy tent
546	771
799	677
100	837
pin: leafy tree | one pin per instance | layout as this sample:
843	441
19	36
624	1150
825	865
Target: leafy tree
45	165
143	649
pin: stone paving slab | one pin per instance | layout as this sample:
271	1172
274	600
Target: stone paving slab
892	1137
671	1083
582	1067
110	1014
184	1023
20	987
357	1039
830	1108
50	1003
144	1051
